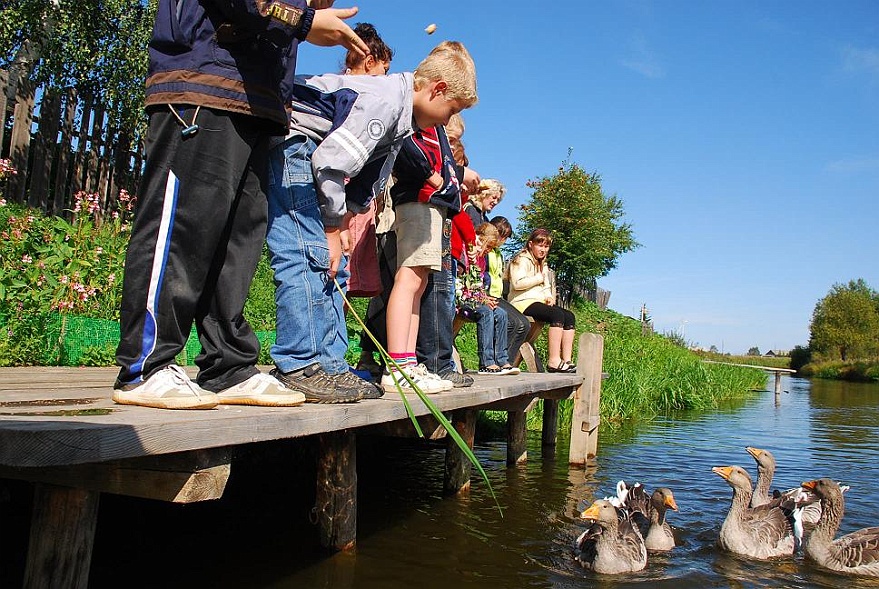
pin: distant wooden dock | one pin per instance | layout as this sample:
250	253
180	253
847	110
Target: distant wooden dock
60	430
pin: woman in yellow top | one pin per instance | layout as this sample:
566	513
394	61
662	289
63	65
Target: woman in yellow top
532	291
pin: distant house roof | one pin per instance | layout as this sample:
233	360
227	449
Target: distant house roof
769	353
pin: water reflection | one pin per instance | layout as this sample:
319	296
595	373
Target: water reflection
409	535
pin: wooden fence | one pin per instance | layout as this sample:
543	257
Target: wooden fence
61	143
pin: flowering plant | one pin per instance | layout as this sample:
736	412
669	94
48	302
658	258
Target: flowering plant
51	264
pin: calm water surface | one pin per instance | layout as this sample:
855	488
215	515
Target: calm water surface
410	536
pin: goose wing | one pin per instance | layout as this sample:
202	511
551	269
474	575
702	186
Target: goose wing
859	549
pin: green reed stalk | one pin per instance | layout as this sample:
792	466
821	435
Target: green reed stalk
434	410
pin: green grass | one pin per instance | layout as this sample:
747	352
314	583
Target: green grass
854	370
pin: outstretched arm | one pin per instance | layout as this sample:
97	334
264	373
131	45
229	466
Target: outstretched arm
329	29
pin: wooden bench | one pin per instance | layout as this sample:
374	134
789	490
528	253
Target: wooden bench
60	430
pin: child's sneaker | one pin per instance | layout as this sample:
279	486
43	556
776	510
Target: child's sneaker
394	382
493	370
509	369
168	388
422	371
263	390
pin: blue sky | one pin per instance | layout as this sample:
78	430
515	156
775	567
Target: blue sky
742	137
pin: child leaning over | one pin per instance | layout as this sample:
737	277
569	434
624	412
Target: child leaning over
341	127
427	187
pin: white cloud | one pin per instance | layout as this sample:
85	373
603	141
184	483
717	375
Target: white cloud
855	165
642	59
861	60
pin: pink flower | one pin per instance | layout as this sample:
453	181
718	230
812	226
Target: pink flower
26	259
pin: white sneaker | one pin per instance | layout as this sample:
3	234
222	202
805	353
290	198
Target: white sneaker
393	382
169	388
421	370
261	389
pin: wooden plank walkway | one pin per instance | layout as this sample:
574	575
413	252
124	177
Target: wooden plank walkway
60	430
64	416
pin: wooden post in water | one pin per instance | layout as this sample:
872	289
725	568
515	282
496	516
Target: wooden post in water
61	537
457	472
777	383
517	442
336	498
587	398
550	423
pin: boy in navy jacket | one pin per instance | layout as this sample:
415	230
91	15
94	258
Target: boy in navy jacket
217	71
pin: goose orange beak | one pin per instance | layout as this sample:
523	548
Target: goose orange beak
755	452
670	502
809	485
591	512
723	471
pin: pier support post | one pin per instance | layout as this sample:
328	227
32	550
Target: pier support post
517	450
587	398
457	471
61	538
550	423
336	498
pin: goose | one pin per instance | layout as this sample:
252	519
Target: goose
856	553
650	512
758	532
791	499
612	544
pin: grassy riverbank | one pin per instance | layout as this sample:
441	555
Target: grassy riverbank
648	375
853	370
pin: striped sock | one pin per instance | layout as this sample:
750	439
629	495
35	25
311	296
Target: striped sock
400	359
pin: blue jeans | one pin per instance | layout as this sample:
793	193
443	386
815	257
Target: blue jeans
310	313
491	336
435	337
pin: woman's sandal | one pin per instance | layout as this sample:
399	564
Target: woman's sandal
563	367
510	369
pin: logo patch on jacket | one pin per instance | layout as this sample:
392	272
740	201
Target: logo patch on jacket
376	129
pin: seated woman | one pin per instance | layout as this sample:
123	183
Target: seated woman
476	304
532	291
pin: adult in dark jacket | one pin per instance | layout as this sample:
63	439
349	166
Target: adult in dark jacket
218	76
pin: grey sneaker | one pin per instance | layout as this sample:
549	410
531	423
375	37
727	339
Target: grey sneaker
318	386
168	388
367	389
458	380
263	390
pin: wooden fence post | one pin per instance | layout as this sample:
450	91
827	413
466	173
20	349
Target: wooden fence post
21	139
587	399
45	144
4	101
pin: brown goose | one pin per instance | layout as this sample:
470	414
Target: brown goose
791	499
611	545
856	553
757	532
649	513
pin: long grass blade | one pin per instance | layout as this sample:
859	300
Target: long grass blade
434	410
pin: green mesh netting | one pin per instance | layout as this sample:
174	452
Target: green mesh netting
71	340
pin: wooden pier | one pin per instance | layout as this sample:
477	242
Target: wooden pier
60	430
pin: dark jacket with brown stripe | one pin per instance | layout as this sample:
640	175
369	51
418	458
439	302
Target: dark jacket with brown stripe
230	55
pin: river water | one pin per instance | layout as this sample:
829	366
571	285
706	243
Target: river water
410	536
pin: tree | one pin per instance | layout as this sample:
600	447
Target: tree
587	224
845	323
95	47
755	351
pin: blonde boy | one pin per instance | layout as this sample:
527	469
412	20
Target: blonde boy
427	191
345	135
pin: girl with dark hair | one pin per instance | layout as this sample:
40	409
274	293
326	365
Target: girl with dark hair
532	291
